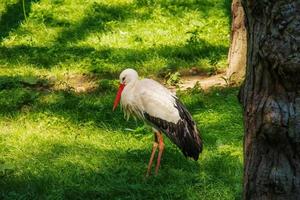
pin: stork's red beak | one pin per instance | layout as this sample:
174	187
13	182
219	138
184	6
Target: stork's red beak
118	97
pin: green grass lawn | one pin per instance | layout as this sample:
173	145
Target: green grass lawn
58	143
106	36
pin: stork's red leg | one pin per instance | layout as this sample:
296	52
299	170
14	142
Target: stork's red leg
155	145
161	147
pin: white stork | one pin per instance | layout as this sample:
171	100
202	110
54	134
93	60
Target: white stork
158	107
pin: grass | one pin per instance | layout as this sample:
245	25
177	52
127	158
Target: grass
106	36
60	143
64	145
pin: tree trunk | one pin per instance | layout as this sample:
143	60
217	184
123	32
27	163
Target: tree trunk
271	100
238	49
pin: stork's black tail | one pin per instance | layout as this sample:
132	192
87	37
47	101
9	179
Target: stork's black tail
184	134
188	137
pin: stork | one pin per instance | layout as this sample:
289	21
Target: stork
148	100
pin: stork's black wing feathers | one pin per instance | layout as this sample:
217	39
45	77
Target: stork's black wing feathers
184	133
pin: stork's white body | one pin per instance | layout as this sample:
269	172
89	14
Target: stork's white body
149	96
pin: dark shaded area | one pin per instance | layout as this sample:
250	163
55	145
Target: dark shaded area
21	92
17	92
227	11
96	18
180	7
13	16
30	82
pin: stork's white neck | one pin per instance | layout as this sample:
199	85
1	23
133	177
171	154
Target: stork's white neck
130	88
129	99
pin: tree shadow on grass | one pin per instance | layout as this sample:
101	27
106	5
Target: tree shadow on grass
13	16
19	93
45	57
95	106
95	20
227	10
180	8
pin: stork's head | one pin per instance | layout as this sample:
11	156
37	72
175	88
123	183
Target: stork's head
127	76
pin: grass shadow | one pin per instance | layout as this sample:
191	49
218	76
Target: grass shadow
227	10
95	106
20	93
45	57
95	19
17	92
14	16
179	7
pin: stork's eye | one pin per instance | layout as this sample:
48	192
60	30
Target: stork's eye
123	79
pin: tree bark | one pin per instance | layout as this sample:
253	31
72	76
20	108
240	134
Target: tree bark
271	100
238	49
